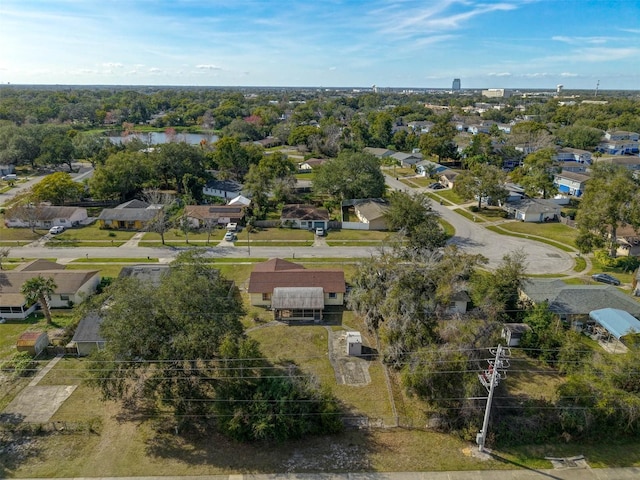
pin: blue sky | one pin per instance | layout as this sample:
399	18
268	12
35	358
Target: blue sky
329	43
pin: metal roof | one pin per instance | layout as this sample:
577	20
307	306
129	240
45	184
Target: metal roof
617	322
310	298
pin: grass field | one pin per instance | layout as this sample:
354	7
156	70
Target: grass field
558	232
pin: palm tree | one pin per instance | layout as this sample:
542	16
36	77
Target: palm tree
39	289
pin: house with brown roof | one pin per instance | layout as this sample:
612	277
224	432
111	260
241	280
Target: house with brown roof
211	215
307	217
294	292
72	286
311	164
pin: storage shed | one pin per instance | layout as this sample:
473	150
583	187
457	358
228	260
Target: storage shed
32	342
354	343
512	333
617	323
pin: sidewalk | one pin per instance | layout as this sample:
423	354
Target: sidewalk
631	473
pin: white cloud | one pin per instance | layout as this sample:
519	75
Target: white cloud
567	74
112	65
581	40
208	67
155	70
499	74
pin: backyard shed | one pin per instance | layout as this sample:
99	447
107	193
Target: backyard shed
354	343
513	332
87	337
32	342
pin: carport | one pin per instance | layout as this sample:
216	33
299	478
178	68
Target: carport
616	323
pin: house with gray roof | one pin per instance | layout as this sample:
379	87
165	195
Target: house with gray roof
372	212
87	337
226	189
44	216
533	210
570	182
407	160
131	215
575	302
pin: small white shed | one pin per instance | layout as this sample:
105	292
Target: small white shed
354	343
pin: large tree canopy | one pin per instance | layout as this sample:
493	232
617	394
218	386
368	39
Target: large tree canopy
351	175
178	350
57	188
611	200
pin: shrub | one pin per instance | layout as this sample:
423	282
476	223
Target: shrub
474	208
20	364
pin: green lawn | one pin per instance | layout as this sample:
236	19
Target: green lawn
451	196
94	233
471	216
558	232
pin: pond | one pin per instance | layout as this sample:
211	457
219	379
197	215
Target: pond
157	138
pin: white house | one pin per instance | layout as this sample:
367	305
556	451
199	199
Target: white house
533	210
619	143
572	155
226	189
45	216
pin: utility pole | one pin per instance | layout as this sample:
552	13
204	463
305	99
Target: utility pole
490	379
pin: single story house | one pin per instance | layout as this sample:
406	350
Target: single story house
628	240
533	210
427	167
373	212
226	189
146	272
574	303
87	337
308	165
32	342
72	287
268	142
407	160
304	216
211	215
421	126
131	215
294	292
571	183
448	178
45	216
379	152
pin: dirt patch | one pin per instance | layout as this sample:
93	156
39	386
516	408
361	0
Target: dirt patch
349	370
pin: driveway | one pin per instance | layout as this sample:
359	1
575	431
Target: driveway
473	238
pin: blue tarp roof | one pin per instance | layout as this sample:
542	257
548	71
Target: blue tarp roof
617	322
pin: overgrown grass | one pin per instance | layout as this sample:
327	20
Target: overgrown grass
580	264
106	270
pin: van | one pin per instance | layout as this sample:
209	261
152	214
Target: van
11	177
232	227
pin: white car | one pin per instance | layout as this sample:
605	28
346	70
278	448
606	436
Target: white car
229	236
56	229
320	231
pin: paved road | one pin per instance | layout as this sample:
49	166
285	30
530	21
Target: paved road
474	238
523	474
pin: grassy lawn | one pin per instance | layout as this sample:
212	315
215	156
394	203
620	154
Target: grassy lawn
106	270
451	196
94	233
448	228
19	234
557	232
371	235
580	264
597	267
116	260
471	216
177	235
423	181
536	237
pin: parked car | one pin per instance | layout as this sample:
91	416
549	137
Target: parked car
56	229
605	278
229	236
320	231
436	186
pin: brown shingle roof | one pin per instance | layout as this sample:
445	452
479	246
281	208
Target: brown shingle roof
67	282
280	273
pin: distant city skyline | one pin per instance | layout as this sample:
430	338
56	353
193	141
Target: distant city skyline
514	44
